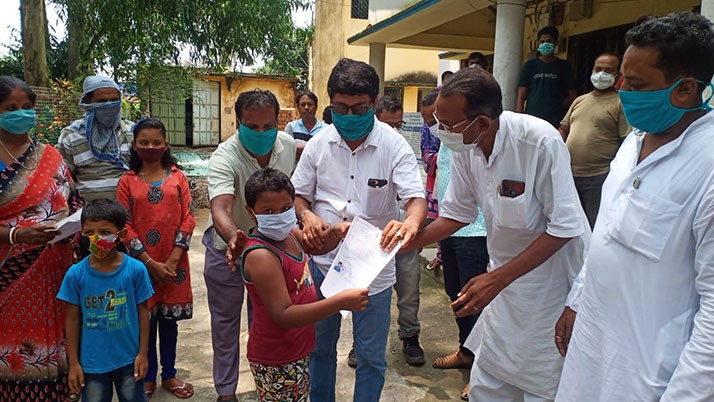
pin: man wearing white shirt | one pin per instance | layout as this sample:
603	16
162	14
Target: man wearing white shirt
645	316
516	168
357	166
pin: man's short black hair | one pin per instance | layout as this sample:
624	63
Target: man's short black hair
610	54
255	99
105	210
309	94
389	105
552	31
482	61
430	98
445	74
482	93
351	77
266	180
685	42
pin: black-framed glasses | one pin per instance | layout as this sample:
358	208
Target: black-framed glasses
360	108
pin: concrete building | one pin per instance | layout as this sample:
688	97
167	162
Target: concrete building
208	116
507	29
408	71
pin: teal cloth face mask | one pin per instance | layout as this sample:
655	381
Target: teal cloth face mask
353	127
259	143
652	111
18	122
546	48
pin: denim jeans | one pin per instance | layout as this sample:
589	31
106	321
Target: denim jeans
462	259
98	387
407	288
168	335
371	328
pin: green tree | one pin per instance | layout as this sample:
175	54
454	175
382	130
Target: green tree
292	57
218	34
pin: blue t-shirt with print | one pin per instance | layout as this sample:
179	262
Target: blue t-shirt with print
110	320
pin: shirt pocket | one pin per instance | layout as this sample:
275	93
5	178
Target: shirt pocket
643	222
511	212
378	201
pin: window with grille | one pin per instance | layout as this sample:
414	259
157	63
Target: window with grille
360	9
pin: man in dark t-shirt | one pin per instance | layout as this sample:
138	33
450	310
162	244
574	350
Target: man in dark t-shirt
546	86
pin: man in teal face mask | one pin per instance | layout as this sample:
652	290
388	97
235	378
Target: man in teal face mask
546	86
357	166
645	315
257	144
96	147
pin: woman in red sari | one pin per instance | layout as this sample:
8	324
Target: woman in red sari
35	189
157	196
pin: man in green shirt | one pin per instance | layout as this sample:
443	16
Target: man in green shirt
546	86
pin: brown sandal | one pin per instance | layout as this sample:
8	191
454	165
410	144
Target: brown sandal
455	360
465	392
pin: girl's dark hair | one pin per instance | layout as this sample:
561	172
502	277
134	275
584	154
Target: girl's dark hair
266	180
145	123
105	210
8	85
309	94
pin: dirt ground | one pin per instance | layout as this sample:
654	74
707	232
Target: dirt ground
404	383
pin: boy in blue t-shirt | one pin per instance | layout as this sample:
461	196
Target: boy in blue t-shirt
107	323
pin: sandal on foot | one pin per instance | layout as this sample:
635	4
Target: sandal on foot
182	391
434	264
455	360
465	392
149	389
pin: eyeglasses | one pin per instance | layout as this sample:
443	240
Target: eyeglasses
395	125
360	108
450	129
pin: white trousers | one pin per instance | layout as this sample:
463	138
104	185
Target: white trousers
487	388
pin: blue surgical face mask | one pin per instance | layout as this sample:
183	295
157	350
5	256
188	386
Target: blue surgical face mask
276	226
18	121
546	48
353	127
259	143
652	111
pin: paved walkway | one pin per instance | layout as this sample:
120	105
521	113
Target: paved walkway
404	383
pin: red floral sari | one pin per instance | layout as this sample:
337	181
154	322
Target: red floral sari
33	364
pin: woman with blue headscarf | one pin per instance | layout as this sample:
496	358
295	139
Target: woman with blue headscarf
96	147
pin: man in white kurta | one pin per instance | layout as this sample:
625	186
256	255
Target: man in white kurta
645	318
515	357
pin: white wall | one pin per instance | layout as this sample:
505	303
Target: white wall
383	9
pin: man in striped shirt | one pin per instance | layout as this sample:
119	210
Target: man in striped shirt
96	147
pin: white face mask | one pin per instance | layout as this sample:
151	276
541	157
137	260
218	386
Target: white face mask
434	129
602	80
455	141
277	226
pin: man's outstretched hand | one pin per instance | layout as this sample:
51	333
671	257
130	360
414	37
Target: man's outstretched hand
235	248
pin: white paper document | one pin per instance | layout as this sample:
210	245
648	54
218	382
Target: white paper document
358	261
68	226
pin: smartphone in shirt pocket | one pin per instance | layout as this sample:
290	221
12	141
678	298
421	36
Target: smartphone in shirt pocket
512	188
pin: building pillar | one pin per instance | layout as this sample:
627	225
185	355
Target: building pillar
508	48
377	57
708	9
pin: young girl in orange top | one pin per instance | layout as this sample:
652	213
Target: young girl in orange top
157	196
